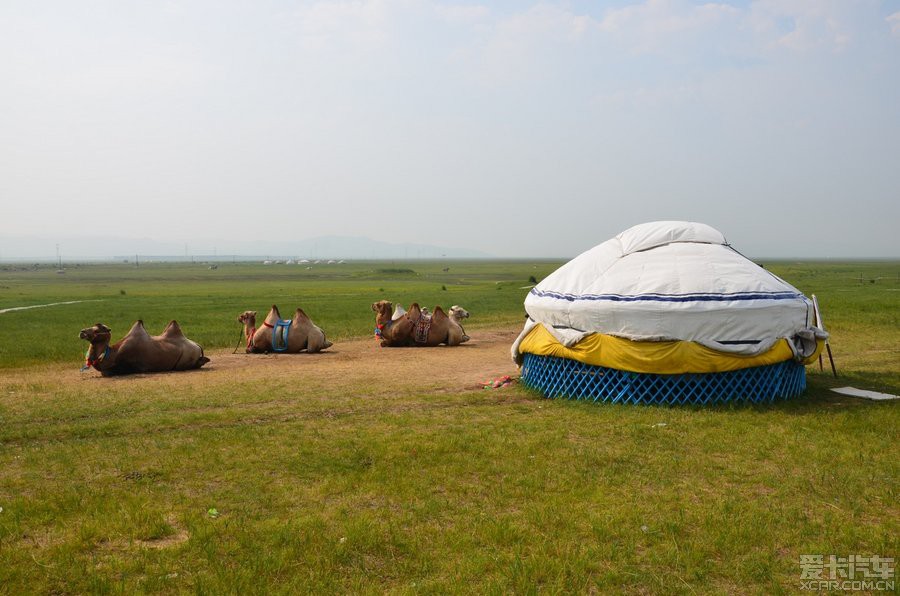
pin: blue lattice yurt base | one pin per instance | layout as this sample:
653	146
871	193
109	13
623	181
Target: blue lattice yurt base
560	377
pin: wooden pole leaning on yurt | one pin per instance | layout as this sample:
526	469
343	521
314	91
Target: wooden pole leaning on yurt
821	325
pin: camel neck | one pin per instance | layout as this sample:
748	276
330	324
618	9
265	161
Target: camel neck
99	353
383	330
250	332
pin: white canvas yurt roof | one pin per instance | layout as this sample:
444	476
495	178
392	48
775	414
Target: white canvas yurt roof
671	280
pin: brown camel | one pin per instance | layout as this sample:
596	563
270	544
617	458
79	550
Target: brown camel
302	334
140	352
413	329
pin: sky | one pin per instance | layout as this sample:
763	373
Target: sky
521	129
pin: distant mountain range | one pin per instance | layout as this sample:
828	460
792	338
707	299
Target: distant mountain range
325	247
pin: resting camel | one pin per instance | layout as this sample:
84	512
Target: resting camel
140	352
412	328
301	334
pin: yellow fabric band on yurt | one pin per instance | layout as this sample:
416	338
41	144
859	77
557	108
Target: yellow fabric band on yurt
659	357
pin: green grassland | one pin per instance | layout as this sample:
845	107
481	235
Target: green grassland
860	301
207	302
391	485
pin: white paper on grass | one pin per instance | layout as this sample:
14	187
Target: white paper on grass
853	391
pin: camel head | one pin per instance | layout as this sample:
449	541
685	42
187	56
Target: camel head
383	310
458	313
96	334
248	317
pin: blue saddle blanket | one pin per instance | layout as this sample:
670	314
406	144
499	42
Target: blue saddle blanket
280	332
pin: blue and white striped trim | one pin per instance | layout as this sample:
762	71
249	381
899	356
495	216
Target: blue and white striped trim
699	297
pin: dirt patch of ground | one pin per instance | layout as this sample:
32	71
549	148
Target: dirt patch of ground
352	362
355	362
485	356
180	536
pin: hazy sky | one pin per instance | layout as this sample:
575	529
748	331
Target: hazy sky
520	129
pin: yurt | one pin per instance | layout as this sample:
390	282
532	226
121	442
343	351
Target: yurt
666	312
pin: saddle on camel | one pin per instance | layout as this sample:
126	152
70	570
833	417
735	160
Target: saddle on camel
414	328
280	335
140	352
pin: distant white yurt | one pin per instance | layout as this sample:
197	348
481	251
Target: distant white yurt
666	312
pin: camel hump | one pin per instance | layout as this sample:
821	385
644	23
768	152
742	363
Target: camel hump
414	311
438	314
173	330
137	329
274	316
300	315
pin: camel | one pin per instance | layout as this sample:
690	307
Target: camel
140	352
301	333
411	328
